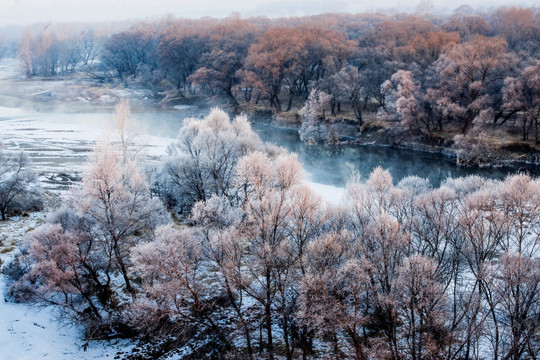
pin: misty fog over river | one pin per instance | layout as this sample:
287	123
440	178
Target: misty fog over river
58	137
60	141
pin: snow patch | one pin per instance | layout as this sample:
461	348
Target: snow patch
331	194
29	333
182	107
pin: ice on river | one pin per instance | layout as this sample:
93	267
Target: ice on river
61	142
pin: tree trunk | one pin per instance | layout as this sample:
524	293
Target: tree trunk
289	104
268	315
537	140
274	101
357	109
123	269
468	121
242	320
286	337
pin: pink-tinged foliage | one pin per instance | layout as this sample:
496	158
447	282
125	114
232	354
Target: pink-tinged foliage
64	267
404	271
81	255
116	196
519	202
515	281
171	268
422	309
470	74
266	185
405	98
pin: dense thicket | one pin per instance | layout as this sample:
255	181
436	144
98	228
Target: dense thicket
266	268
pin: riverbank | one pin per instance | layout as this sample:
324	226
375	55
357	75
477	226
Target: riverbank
78	94
491	149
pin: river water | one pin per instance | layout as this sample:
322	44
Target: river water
63	137
335	165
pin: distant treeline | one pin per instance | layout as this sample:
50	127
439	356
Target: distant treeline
424	72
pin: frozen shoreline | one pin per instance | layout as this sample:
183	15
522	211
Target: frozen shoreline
59	145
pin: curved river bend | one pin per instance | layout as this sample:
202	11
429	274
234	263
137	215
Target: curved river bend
335	165
40	133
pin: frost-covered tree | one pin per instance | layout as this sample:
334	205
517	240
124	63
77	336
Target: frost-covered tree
313	129
335	293
469	80
518	202
515	280
406	100
346	87
175	279
521	96
66	268
219	231
424	333
116	195
114	210
265	185
17	182
203	160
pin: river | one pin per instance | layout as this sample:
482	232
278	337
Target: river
335	165
63	139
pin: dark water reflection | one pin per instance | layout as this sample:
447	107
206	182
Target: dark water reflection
334	165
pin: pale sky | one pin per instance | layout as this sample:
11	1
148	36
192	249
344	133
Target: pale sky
29	11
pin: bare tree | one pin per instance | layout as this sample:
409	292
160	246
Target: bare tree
266	184
17	182
175	279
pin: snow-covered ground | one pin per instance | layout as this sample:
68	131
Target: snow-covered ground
331	194
34	333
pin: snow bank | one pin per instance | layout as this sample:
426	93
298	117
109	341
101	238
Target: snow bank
35	333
